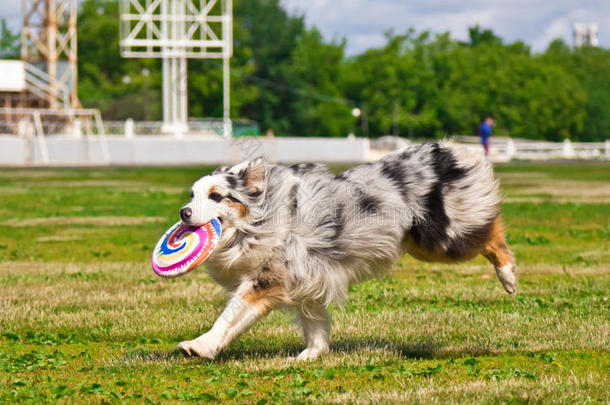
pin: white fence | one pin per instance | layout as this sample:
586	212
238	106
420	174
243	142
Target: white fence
77	137
154	150
25	135
506	149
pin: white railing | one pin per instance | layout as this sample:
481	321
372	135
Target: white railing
506	149
25	133
37	82
39	123
130	128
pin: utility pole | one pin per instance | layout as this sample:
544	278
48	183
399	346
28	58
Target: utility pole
395	118
365	122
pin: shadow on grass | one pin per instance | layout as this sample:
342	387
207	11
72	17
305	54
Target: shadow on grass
406	350
290	349
152	356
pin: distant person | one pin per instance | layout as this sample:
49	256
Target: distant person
485	132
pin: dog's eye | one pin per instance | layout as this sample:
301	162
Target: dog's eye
215	197
192	195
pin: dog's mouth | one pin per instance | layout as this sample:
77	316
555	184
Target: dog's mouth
189	223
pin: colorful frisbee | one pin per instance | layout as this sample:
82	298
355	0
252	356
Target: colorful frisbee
182	248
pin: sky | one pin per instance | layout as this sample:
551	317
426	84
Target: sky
11	12
536	22
363	22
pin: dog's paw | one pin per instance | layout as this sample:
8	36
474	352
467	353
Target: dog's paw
199	347
507	275
311	353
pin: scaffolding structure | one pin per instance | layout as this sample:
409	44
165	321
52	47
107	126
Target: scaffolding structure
586	34
176	30
48	41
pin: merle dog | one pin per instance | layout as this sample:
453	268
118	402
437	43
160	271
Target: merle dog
300	236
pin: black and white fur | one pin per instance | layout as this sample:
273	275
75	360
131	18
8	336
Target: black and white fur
300	236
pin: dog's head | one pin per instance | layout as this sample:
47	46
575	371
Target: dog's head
228	194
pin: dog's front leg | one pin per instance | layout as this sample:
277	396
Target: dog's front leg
245	307
316	328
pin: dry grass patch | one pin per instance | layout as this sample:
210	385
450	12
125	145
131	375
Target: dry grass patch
96	221
12	190
583	199
29	173
513	390
84	183
539	188
89	322
485	271
58	238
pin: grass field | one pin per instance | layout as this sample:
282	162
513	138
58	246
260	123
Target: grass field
84	319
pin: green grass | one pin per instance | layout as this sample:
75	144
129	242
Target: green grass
83	318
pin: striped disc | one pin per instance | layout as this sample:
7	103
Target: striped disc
182	248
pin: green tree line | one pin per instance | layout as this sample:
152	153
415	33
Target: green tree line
287	77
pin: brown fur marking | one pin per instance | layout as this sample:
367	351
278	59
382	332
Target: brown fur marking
492	245
240	208
470	247
255	174
496	250
268	286
423	254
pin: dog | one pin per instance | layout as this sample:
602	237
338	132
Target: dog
299	236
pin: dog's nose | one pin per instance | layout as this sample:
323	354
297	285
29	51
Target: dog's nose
185	214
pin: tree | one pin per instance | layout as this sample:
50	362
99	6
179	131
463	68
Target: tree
9	42
527	97
271	35
591	68
318	108
396	85
287	77
121	88
264	38
480	36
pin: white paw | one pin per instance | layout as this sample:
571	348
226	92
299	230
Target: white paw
507	275
202	347
311	353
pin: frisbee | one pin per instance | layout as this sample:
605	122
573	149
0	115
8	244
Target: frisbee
183	247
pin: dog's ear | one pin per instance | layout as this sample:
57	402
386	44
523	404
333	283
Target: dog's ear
221	169
254	174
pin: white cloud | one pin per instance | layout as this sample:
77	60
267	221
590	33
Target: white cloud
537	23
11	12
557	29
363	22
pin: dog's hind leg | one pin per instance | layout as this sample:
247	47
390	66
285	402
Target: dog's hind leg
499	254
315	321
247	305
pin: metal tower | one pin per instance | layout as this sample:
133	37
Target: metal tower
48	39
585	34
175	30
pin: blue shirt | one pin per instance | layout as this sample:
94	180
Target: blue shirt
484	130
